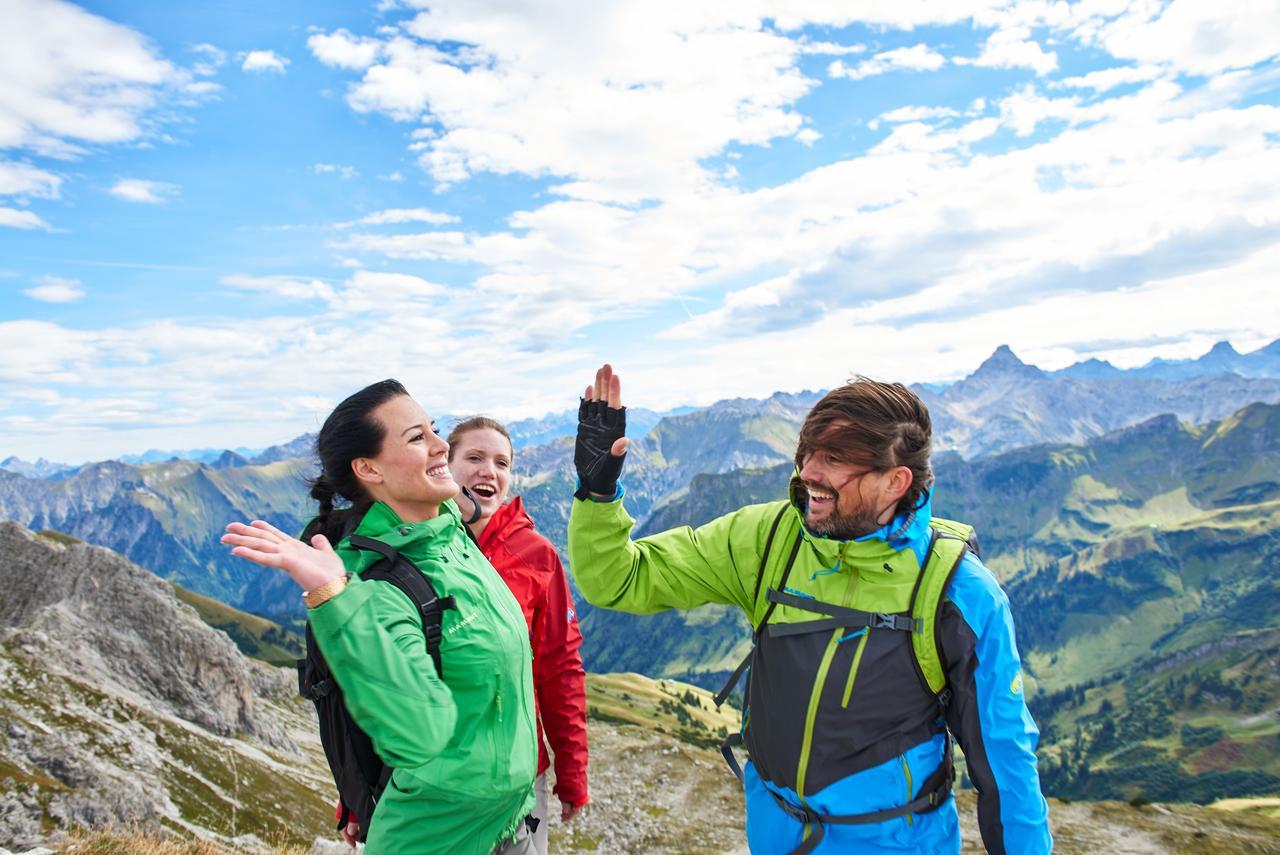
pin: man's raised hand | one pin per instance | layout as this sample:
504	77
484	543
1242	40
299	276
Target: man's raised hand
601	446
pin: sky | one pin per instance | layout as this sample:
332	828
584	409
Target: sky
217	219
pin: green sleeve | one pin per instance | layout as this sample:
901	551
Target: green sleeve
372	640
677	569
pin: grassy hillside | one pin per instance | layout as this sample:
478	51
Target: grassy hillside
257	637
1197	725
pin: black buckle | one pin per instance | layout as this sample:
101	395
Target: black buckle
899	622
316	691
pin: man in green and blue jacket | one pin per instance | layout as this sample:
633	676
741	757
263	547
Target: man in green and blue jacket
858	681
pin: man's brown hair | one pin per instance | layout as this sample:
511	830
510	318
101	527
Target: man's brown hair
878	425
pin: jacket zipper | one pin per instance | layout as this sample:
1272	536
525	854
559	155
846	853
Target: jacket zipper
906	771
853	669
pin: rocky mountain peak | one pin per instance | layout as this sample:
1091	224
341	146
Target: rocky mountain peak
1004	361
86	612
1224	347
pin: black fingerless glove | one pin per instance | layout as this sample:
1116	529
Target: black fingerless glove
599	427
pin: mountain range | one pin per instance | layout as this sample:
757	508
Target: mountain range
1221	359
166	514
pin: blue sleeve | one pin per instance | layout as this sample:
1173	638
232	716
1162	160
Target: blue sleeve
988	713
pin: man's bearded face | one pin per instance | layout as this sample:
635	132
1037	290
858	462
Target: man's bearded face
845	499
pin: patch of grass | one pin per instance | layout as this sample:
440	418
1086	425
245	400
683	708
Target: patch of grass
58	537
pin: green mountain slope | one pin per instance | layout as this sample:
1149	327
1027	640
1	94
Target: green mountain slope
256	637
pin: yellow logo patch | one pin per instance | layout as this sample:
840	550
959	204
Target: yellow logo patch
1016	686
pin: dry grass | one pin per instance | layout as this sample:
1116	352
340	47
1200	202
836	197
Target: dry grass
138	841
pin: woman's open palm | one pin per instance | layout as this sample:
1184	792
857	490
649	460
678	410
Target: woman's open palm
262	543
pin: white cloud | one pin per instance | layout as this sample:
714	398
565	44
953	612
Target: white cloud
1106	79
202	88
808	136
918	57
16	219
53	289
1013	48
94	83
264	60
402	215
143	191
344	50
830	48
577	94
365	291
25	180
1195	36
291	287
211	58
912	114
346	173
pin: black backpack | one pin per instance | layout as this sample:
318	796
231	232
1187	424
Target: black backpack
357	769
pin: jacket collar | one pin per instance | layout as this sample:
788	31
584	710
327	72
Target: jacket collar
412	539
506	521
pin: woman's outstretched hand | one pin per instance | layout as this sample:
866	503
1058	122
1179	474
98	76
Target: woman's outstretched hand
262	543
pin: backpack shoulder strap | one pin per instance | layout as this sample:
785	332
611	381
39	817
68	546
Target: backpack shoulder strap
414	584
764	556
723	694
947	547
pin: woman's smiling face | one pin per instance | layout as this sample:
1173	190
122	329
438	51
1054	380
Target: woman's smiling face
481	461
411	471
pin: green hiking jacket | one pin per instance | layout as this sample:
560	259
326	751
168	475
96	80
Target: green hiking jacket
463	748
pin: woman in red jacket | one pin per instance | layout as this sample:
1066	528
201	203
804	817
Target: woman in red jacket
480	458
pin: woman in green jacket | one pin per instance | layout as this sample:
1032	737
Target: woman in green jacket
463	747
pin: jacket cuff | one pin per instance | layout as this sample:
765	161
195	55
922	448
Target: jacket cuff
331	615
572	793
618	494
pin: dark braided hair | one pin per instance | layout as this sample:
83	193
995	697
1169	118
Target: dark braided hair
348	433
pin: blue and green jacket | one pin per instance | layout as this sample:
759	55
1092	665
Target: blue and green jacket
841	722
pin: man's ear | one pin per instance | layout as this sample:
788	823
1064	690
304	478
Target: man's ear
365	470
900	479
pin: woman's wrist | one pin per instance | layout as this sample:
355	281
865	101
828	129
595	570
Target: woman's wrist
325	592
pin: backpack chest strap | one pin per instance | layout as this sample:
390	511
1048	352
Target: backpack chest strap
840	617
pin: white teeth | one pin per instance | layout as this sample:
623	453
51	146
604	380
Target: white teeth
484	490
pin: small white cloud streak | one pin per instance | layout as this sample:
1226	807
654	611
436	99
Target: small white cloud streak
264	61
401	215
16	219
211	59
53	289
1106	79
143	192
346	173
26	181
918	57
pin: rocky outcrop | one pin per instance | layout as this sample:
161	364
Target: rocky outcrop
120	706
86	612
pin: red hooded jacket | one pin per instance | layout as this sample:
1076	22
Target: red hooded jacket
528	563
